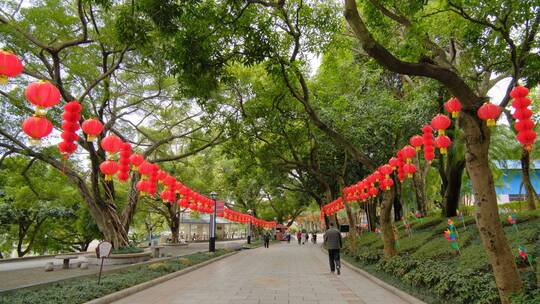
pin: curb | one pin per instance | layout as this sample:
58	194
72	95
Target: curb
396	291
140	287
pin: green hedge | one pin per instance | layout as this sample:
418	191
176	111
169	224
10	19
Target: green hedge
430	269
81	290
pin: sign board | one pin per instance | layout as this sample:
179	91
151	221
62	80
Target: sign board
103	250
343	228
220	206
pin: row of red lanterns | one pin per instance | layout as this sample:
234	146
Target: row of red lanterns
239	217
524	124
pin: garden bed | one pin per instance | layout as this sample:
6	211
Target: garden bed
429	269
81	290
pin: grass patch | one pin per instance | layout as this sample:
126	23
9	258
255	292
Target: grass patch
81	290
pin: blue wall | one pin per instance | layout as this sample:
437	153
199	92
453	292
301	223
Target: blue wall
511	181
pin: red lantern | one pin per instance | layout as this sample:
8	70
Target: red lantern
453	106
66	148
387	183
490	113
408	152
393	162
426	129
111	143
417	141
10	66
443	142
409	169
136	160
108	168
42	94
526	138
519	92
441	122
37	127
523	125
92	128
522	113
386	170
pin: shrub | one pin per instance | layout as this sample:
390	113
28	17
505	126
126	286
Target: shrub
129	249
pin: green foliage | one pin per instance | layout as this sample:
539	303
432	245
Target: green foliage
130	249
81	290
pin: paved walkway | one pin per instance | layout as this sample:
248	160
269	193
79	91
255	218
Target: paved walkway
31	272
284	273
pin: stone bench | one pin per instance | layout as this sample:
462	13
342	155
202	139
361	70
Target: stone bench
156	251
66	259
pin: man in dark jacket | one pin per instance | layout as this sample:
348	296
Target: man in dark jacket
267	239
332	242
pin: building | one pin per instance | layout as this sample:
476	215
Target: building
510	187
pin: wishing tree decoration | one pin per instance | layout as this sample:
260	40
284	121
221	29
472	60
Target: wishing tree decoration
522	251
70	125
524	124
453	106
43	95
429	150
10	66
36	128
451	237
489	112
512	219
136	160
92	128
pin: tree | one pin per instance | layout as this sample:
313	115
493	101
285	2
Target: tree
436	62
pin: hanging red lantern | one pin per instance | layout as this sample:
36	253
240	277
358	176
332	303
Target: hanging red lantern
43	95
111	143
108	168
443	142
522	113
408	153
10	66
417	141
125	154
386	170
519	92
453	106
441	122
409	169
523	125
526	138
37	127
393	162
66	148
71	116
92	128
489	112
136	160
387	183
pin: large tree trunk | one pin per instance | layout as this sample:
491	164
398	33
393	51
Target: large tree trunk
452	191
386	223
371	213
108	222
487	213
353	229
526	179
174	221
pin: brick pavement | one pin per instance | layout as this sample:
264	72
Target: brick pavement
284	273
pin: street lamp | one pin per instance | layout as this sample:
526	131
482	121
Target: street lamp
212	244
275	228
249	226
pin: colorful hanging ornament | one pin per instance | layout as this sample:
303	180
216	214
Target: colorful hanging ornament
71	116
123	162
453	106
37	127
489	112
417	141
427	137
441	122
109	169
92	128
442	142
450	236
523	125
10	66
111	144
43	95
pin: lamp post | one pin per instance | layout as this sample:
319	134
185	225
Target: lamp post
212	244
275	228
249	227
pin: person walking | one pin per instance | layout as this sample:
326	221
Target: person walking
306	237
288	236
267	239
332	242
314	237
299	237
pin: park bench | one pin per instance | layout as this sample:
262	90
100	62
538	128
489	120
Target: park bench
66	259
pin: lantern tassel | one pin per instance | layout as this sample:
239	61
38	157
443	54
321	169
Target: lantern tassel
443	151
90	138
441	132
455	114
491	122
108	177
3	79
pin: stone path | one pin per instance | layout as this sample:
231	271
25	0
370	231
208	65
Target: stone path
284	273
31	272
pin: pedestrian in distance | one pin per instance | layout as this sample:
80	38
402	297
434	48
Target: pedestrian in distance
288	237
307	238
299	237
267	239
314	237
332	242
